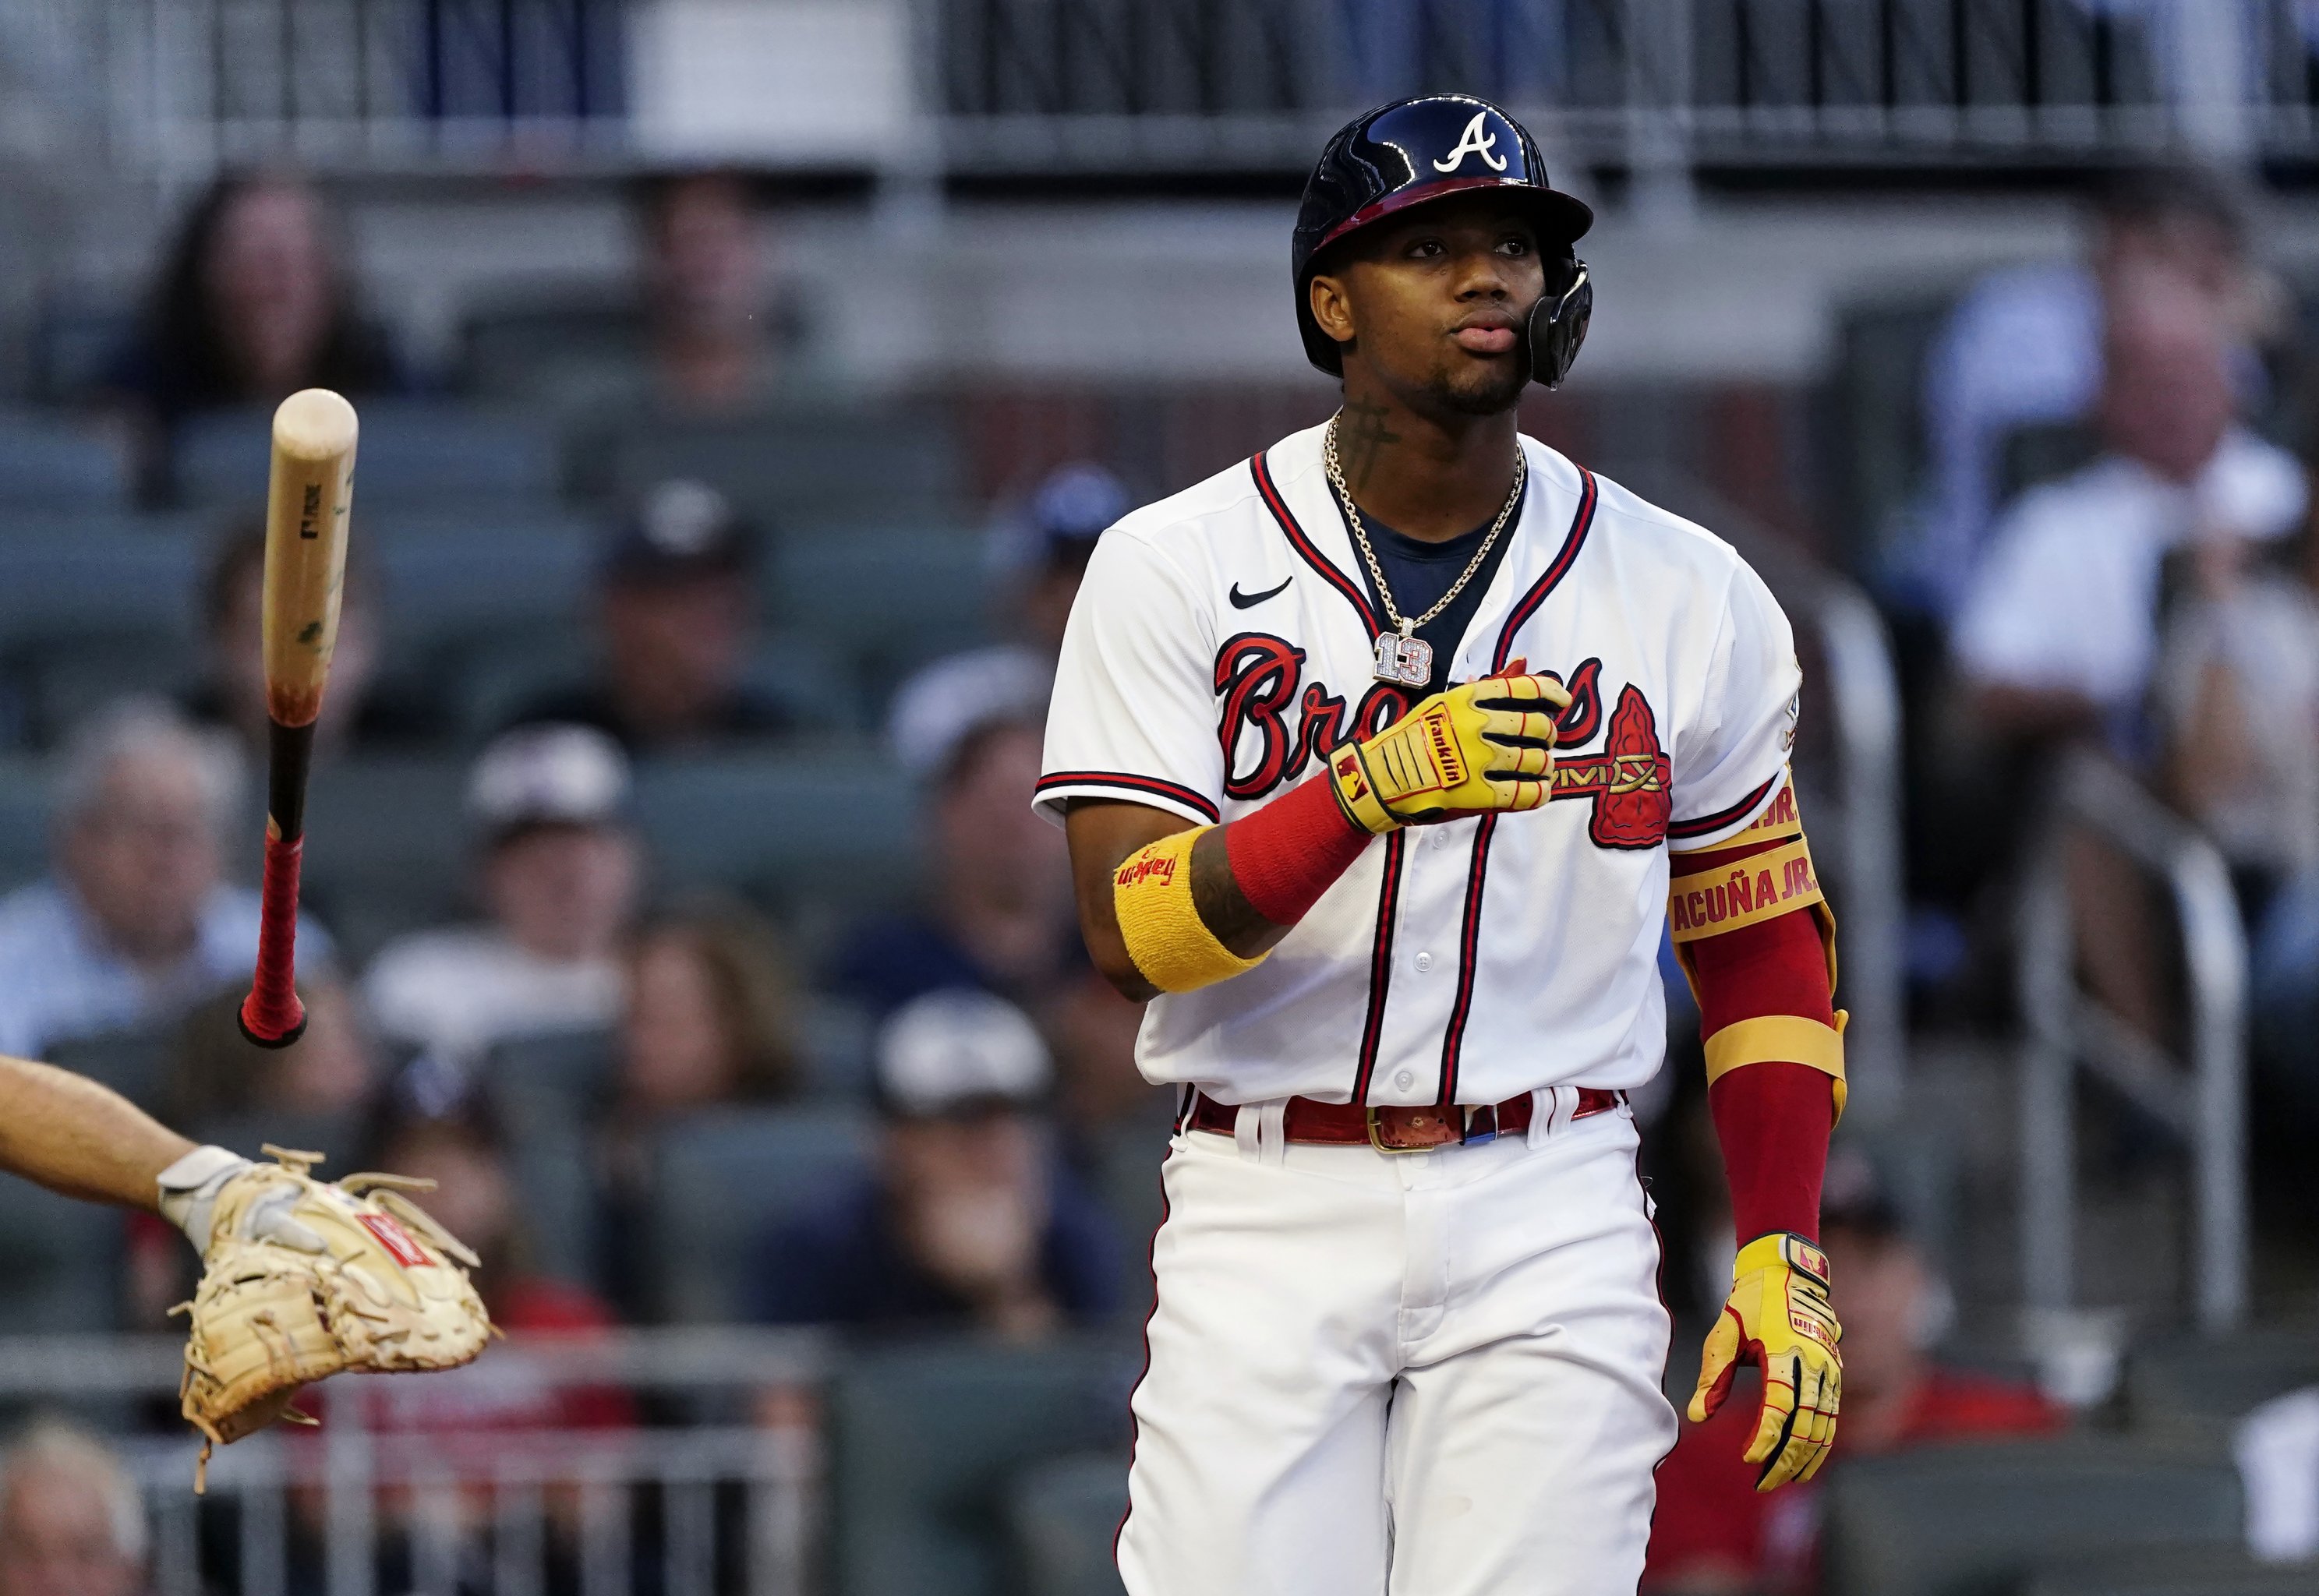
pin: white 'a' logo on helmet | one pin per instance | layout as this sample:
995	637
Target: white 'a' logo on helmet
1472	141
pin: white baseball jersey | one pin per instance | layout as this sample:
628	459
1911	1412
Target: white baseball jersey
1224	640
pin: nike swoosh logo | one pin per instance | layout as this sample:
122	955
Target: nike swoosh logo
1251	601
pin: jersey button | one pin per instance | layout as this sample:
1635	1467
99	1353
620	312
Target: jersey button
1404	1080
1424	962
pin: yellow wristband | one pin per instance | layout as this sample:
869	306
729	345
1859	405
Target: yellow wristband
1783	1039
1171	945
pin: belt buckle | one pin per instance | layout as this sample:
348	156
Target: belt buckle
1377	1140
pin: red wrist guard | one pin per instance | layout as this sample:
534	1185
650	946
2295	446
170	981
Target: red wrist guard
1773	1119
1292	849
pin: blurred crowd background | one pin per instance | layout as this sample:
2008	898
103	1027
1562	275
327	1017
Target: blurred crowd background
744	384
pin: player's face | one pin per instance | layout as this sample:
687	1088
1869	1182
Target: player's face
1436	304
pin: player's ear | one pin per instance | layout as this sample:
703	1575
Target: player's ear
1331	307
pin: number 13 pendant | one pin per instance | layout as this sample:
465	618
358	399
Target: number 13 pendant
1403	659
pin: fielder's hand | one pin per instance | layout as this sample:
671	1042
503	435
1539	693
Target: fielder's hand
302	1278
1778	1316
1486	745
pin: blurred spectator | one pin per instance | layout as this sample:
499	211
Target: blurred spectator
716	339
559	874
71	1521
711	1016
2059	632
998	911
678	605
134	924
2277	1447
252	304
969	1219
2024	347
232	690
2237	702
1044	554
1713	1531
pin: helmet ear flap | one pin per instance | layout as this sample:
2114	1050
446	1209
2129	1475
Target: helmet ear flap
1557	326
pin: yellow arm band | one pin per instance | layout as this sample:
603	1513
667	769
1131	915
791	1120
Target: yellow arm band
1172	946
1761	887
1781	1038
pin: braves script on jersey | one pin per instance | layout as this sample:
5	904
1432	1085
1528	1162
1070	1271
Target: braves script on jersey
1225	640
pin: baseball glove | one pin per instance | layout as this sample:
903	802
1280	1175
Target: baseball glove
304	1278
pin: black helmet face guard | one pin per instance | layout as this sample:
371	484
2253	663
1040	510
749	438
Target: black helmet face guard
1430	148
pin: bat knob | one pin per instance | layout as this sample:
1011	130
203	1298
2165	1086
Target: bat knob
267	1026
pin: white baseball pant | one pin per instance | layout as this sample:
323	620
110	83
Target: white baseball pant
1428	1374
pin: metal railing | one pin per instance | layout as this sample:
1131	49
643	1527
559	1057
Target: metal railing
2200	1098
1863	697
690	1497
1195	85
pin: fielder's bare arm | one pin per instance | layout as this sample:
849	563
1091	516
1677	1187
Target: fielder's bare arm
1386	759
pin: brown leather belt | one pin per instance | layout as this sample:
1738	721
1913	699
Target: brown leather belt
1412	1128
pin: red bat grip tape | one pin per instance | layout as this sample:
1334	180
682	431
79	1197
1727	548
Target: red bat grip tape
271	1016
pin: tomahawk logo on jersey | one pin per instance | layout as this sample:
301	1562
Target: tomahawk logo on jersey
1467	961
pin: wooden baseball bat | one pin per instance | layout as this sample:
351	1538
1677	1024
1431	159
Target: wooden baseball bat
312	488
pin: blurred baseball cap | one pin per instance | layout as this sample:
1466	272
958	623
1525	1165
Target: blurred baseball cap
681	528
1071	507
957	1052
1854	1196
546	775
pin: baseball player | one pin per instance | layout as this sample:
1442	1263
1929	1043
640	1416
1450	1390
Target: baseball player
301	1278
1385	759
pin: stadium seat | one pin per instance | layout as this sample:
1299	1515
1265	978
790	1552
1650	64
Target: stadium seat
786	469
47	462
488	680
59	1262
108	574
398	847
926	1441
892	597
1062	1518
723	1179
2199	1571
66	679
2200	1385
836	822
836	1037
1974	1520
535	1083
527	350
24	821
412	451
133	1063
575	1066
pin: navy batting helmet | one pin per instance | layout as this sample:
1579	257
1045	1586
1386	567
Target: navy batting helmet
1426	148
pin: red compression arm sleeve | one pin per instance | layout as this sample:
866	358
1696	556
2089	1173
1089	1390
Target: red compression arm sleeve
1773	1119
1291	851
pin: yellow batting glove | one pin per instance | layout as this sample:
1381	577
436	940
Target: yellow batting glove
1778	1316
1486	745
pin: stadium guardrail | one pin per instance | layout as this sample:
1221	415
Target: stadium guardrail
2200	1098
680	1461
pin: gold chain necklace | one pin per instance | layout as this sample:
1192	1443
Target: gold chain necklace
1403	658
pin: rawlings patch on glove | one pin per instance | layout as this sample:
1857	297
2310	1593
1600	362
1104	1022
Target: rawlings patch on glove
304	1278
